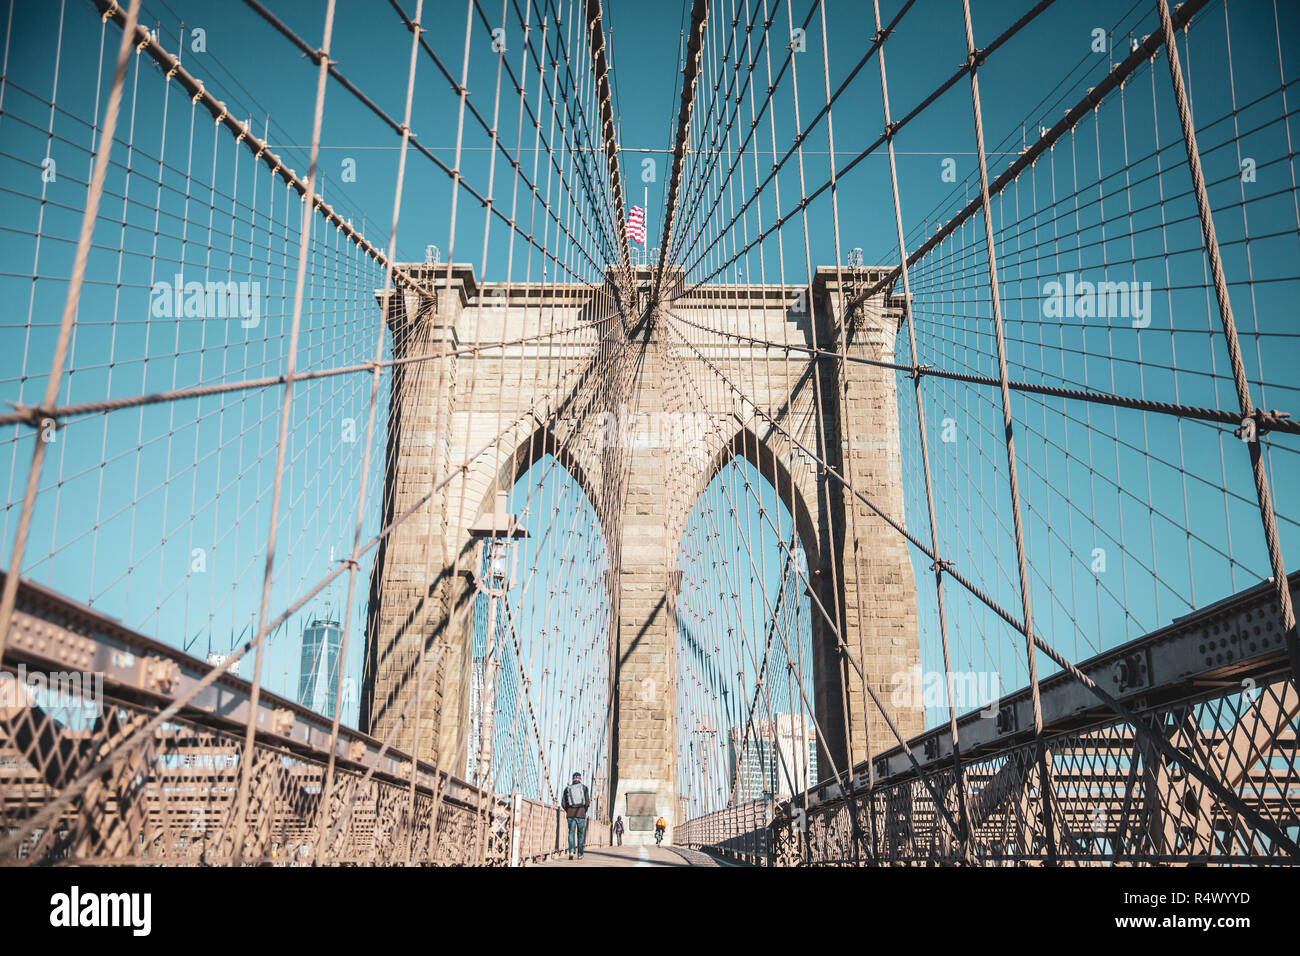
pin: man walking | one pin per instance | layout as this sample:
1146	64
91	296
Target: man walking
575	801
618	830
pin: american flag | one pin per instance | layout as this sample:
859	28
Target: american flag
636	225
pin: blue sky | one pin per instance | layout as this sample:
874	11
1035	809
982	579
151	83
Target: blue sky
160	516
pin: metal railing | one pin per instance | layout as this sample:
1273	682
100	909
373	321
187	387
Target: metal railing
1111	799
1207	773
740	832
115	748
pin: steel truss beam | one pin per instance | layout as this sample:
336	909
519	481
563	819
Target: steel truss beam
171	798
1215	685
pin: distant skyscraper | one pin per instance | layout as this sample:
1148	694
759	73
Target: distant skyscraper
477	669
752	761
318	670
778	757
796	742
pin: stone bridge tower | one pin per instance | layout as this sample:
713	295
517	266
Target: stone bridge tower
442	412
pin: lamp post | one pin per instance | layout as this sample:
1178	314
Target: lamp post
495	530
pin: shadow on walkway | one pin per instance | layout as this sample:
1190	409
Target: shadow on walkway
631	856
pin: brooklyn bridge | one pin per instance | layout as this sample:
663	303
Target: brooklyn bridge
842	434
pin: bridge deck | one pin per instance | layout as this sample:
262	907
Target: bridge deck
636	856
